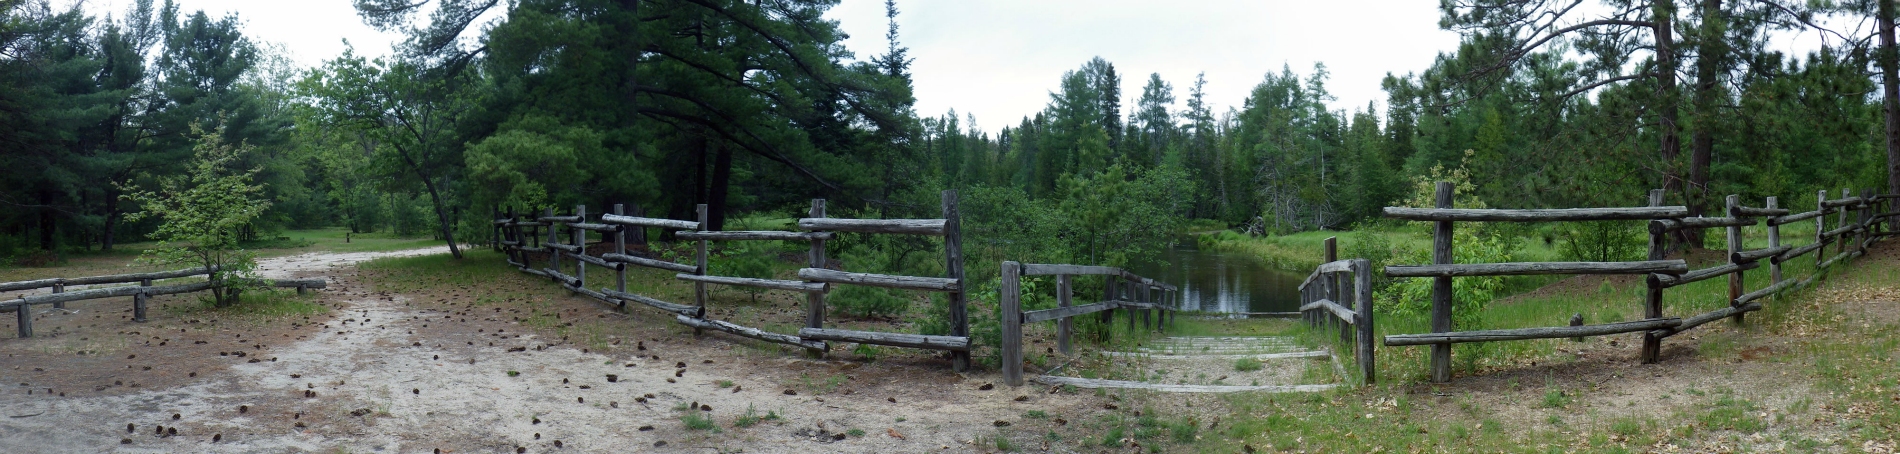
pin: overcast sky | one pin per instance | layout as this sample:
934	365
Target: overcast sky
999	59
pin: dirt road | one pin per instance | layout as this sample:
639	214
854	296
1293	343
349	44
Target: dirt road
374	375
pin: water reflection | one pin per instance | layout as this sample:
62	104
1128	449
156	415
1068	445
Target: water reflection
1224	282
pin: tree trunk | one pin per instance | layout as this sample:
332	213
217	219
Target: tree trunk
721	183
442	219
1890	89
47	220
1662	18
699	171
1710	50
108	236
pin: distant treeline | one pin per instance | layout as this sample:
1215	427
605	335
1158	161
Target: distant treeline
756	107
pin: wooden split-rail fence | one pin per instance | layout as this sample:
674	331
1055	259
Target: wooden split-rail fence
1850	237
22	307
519	238
1339	294
1124	290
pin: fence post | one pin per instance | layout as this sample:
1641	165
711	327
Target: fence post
554	255
1652	305
699	288
953	268
1362	299
1734	247
1866	220
1441	288
620	247
1133	298
1148	297
1108	315
139	301
25	323
815	301
1820	226
1306	296
1774	241
1841	221
580	239
1333	284
1010	301
1065	289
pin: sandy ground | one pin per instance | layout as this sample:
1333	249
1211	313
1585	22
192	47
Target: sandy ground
388	372
376	376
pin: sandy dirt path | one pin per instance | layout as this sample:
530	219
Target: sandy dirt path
364	380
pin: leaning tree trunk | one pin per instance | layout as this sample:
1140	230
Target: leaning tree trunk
1890	89
442	218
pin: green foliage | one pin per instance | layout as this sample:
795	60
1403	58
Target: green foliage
1469	294
744	259
869	302
1378	251
1247	365
202	214
1119	215
1603	241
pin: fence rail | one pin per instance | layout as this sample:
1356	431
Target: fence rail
519	238
1327	297
1851	237
1125	290
23	306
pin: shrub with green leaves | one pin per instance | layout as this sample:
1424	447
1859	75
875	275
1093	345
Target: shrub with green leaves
203	211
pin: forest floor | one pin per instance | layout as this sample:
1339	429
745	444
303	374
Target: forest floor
425	353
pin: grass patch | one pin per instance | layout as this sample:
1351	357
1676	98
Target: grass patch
259	304
695	420
750	418
1247	365
820	385
1731	413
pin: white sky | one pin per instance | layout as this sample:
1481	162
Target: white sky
310	30
999	59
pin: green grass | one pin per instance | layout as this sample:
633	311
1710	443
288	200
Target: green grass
333	240
697	420
261	304
750	418
1246	365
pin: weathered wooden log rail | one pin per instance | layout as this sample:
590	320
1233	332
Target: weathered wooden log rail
1339	294
1125	290
517	238
1850	237
22	307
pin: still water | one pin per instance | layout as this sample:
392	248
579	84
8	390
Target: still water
1223	282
